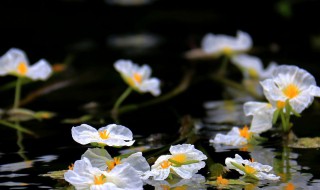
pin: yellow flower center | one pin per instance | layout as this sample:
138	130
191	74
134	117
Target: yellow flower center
137	77
227	50
181	158
165	164
22	68
289	186
184	187
280	104
249	169
244	132
291	91
113	163
222	181
104	134
253	73
99	180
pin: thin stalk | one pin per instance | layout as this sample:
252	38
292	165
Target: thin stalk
123	96
223	67
20	145
17	127
17	93
283	121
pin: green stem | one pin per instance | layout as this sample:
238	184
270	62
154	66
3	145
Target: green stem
17	93
20	145
123	96
223	67
283	121
17	127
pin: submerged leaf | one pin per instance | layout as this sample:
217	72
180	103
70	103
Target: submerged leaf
216	170
55	174
306	143
81	119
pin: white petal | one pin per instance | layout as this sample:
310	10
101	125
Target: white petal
118	131
189	150
265	176
151	85
124	176
97	157
229	140
314	90
160	174
40	70
246	63
183	173
250	108
105	186
84	134
11	59
123	66
137	162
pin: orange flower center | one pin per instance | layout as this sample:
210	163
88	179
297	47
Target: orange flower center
71	166
165	164
137	77
22	68
244	132
99	180
222	181
249	169
104	134
113	163
291	91
280	104
289	186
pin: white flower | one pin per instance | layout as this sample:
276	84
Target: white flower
101	159
15	62
253	169
252	67
262	115
110	135
138	77
228	45
235	137
83	176
184	161
293	84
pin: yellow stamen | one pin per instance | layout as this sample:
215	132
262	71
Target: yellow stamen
280	104
291	91
249	169
181	158
222	181
165	164
253	73
113	163
99	180
22	68
104	134
137	77
227	50
71	166
289	186
244	132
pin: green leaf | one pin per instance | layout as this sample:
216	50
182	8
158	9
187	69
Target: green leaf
55	174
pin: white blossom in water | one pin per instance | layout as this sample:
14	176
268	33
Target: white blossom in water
293	84
235	137
251	168
15	62
84	176
138	77
185	161
220	44
101	159
110	135
262	115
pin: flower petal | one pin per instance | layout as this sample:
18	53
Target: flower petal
40	70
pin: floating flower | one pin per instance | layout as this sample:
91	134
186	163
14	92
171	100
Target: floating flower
235	137
293	84
101	159
84	176
138	77
252	66
222	44
110	135
184	161
15	62
262	115
250	168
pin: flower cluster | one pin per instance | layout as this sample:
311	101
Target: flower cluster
97	169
